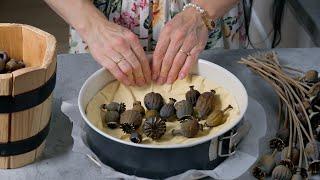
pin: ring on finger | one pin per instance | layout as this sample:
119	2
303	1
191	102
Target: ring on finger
118	60
184	52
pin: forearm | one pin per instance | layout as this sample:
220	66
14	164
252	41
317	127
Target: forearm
216	8
80	14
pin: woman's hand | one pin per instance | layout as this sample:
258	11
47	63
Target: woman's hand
119	50
114	47
178	47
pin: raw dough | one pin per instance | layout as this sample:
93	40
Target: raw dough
117	92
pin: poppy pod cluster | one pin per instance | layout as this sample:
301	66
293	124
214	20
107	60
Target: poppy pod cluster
151	120
299	115
8	65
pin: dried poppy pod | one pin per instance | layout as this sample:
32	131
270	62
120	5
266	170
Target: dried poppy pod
189	127
2	65
154	128
153	101
314	167
267	162
218	117
168	112
294	155
114	106
13	65
127	128
152	113
258	173
311	76
183	108
204	105
314	90
283	134
288	163
276	143
110	118
192	95
4	58
297	177
136	137
138	107
281	172
130	120
312	150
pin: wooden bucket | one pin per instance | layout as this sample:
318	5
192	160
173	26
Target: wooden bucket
26	94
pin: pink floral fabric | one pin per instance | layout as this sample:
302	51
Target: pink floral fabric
146	18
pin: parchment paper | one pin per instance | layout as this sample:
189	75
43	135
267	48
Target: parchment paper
247	152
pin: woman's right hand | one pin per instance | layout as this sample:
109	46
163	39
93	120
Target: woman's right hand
119	50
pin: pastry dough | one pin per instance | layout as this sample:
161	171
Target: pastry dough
117	92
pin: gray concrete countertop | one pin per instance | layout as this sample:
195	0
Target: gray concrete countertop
60	162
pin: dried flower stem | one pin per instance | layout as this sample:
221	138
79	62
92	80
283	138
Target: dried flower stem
283	82
291	92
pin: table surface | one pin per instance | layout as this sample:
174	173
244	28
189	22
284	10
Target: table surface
60	162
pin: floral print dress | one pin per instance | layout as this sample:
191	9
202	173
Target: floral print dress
147	17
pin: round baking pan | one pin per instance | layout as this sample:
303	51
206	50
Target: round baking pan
160	161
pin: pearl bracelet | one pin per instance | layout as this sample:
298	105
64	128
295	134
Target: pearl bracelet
205	17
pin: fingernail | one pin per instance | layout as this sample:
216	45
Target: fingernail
141	82
181	76
161	80
154	77
170	81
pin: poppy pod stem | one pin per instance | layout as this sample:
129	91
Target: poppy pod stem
227	109
290	137
300	139
274	152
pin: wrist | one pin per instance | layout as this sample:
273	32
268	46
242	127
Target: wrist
212	13
89	22
208	23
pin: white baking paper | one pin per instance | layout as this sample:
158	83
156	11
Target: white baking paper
232	168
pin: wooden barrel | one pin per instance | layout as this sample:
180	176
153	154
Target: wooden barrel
26	94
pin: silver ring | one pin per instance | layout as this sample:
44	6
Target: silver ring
184	52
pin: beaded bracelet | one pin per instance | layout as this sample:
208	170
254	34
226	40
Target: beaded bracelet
205	17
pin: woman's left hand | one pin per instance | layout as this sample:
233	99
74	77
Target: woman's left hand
178	47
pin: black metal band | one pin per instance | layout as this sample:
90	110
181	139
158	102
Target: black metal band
9	104
25	145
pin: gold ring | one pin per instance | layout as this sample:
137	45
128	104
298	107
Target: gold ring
118	60
184	52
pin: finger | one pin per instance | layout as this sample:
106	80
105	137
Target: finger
160	51
136	67
175	45
124	48
125	67
115	70
181	57
190	61
141	55
176	42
